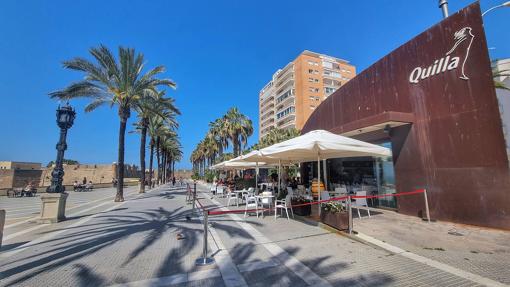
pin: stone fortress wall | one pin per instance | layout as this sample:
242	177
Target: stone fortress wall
72	173
97	173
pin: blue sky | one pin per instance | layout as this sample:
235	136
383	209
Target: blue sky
220	53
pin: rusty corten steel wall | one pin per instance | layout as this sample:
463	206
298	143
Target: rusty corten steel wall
455	146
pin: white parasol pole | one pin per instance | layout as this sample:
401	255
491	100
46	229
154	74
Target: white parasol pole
319	180
256	177
325	171
279	175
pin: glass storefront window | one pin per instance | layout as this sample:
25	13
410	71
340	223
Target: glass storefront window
385	174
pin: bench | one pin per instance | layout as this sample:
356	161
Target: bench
19	192
81	188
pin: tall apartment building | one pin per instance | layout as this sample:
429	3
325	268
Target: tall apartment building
296	90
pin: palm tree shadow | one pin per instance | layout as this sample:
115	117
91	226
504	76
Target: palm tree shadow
104	232
87	277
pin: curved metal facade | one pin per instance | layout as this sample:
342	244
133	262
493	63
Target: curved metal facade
437	93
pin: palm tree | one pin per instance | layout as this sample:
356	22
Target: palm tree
172	151
218	130
115	82
239	128
152	105
155	128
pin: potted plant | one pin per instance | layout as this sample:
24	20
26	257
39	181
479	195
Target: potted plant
304	210
335	215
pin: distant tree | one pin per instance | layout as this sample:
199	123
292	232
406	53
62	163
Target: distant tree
239	127
275	136
65	161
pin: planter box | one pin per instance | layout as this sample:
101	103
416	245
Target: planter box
301	210
338	220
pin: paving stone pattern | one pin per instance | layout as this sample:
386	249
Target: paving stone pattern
136	244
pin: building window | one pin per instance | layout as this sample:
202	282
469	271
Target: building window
328	65
285	112
329	90
284	96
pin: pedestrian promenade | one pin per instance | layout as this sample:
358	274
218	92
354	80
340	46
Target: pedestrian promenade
153	240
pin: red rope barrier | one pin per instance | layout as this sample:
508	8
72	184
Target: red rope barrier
389	194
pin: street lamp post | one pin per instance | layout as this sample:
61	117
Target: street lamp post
65	120
506	4
54	200
443	4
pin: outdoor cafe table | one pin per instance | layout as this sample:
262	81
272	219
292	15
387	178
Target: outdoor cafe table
270	197
239	194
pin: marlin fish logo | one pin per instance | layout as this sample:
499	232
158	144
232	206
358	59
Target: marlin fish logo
459	37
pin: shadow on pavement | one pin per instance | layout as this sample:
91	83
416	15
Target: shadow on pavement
105	231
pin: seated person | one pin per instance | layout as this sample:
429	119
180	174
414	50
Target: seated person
282	193
89	185
28	189
76	185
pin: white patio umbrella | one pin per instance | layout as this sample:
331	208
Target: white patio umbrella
237	164
257	157
321	144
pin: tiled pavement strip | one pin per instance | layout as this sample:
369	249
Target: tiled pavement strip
136	245
23	209
27	227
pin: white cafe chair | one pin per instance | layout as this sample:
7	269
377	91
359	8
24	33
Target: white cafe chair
341	190
361	202
251	203
284	204
232	196
220	191
248	193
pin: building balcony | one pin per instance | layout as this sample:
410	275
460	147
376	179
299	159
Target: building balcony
286	121
267	100
288	84
285	73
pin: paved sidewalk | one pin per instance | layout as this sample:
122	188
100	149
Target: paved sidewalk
22	208
482	251
136	244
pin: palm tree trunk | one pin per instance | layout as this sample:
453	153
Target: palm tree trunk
150	163
173	168
158	159
119	197
142	155
163	166
235	143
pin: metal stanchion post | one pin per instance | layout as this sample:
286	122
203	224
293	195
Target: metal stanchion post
349	210
187	193
426	205
194	200
204	260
